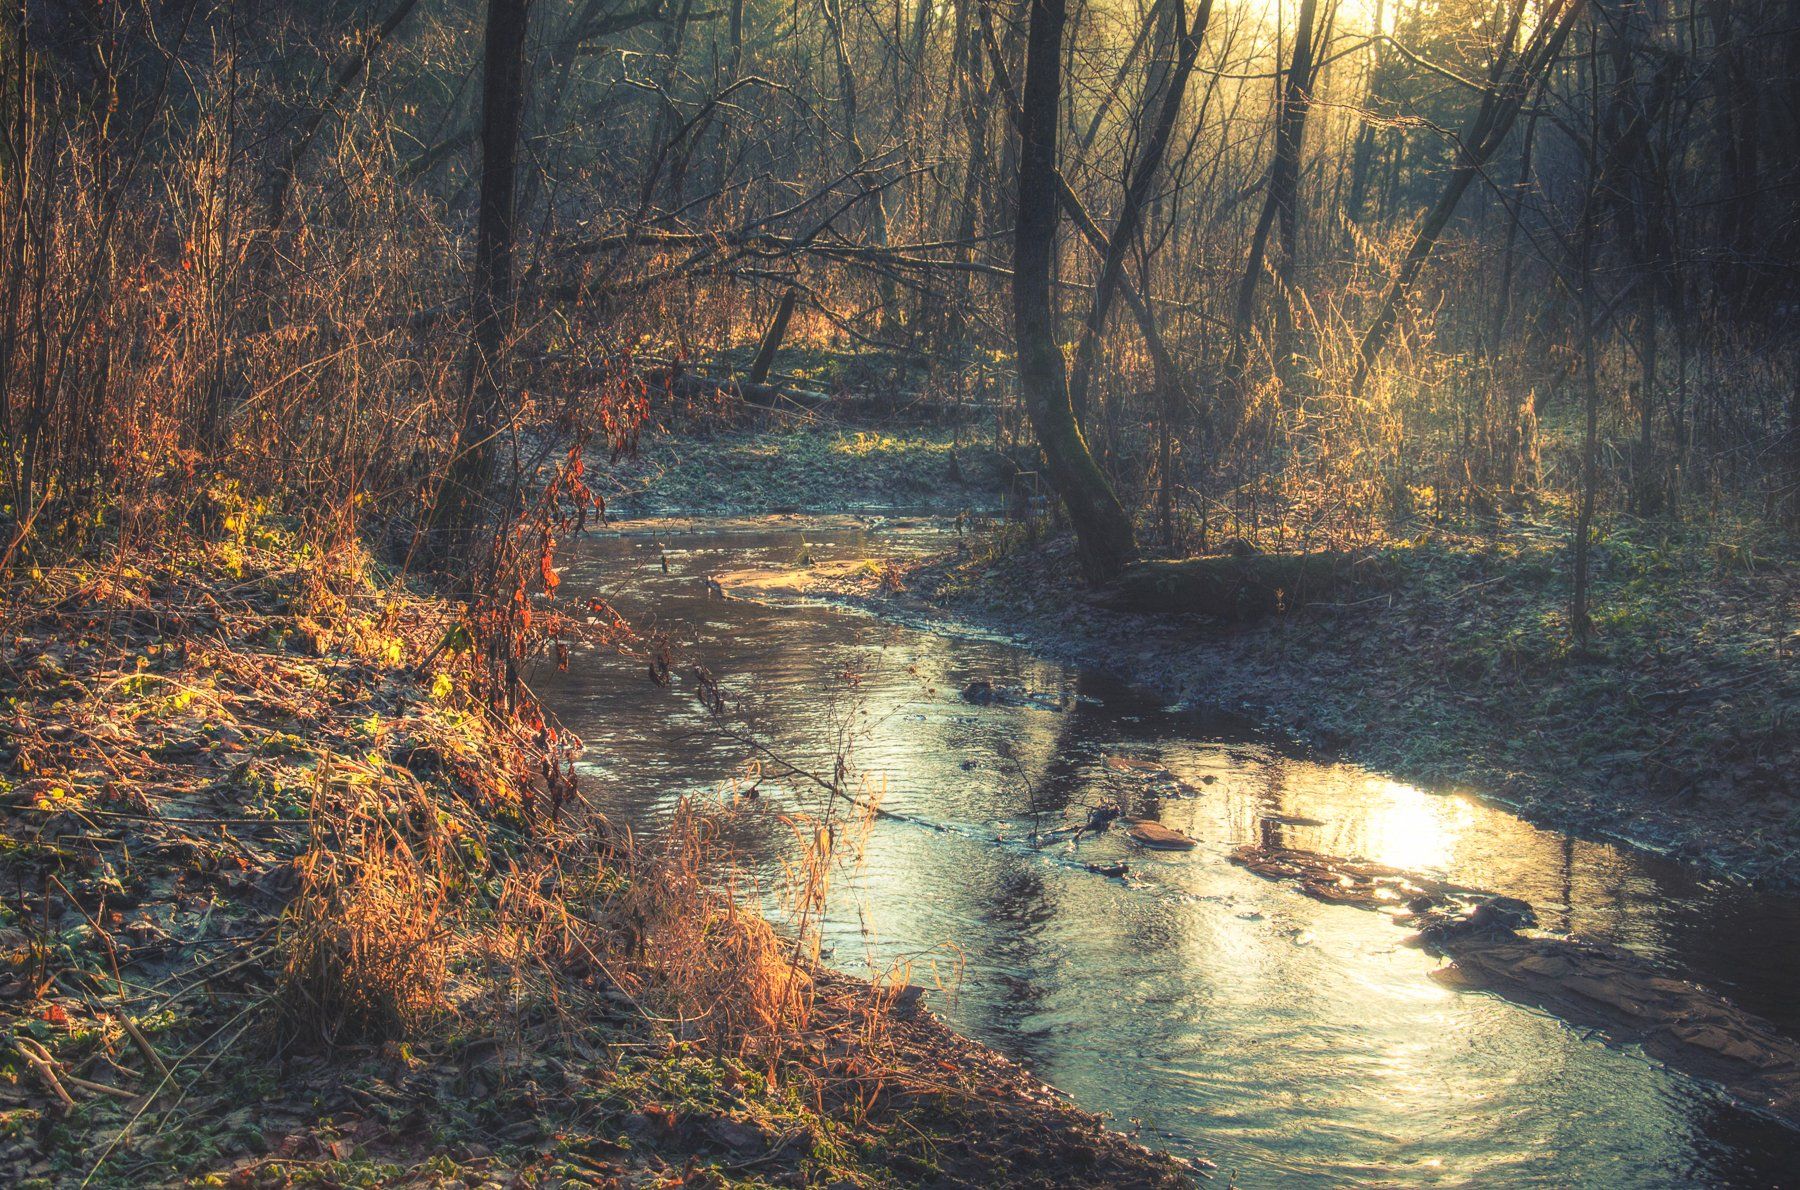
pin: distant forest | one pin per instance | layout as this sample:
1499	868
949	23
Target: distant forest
1318	264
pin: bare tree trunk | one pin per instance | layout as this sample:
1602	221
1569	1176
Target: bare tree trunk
771	340
1580	621
875	201
1131	210
1735	111
976	96
1636	194
1103	528
1284	180
1152	20
1161	356
1363	152
484	410
1509	253
1790	505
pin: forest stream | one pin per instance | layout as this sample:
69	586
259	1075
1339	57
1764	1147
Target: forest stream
1226	1016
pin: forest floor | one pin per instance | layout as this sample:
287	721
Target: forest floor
806	467
283	905
1679	732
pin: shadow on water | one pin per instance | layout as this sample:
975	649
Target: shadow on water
1294	1043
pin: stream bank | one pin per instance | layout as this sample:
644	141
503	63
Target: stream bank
1278	1031
1679	733
285	907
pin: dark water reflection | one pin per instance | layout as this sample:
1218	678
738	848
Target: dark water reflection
1292	1042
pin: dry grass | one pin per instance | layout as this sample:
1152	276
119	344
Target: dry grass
389	936
366	942
703	964
225	837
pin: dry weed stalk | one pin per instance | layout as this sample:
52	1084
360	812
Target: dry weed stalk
368	938
708	966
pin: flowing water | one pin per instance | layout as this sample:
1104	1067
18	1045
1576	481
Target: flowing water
1291	1042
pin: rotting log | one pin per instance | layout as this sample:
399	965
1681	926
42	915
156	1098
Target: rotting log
1230	586
688	386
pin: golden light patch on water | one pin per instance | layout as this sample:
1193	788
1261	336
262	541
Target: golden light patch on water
1408	1070
1412	829
1370	817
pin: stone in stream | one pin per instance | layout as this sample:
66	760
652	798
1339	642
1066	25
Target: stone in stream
1147	832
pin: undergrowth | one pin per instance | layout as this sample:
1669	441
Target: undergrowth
286	902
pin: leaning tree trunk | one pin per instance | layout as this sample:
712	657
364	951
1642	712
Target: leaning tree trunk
1154	343
1102	526
1137	192
484	410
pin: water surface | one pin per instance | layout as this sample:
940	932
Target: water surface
1230	1018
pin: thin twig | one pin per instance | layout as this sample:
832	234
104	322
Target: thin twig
143	1044
45	1068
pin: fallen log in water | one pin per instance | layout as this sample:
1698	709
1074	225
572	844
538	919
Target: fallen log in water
1341	881
1690	1028
1238	586
1693	1030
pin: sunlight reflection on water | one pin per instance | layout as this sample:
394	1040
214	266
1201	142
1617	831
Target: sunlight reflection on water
1295	1043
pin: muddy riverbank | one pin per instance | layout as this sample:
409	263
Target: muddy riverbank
1680	733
